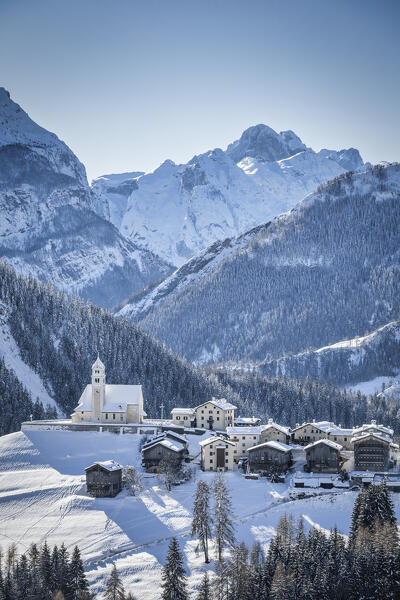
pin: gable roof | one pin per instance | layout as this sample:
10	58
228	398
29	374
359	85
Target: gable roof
333	445
182	411
272	425
272	444
321	425
366	435
107	465
256	430
215	438
222	404
247	420
166	443
116	398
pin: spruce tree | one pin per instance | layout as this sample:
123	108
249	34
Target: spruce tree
76	577
173	574
114	588
201	523
223	516
205	589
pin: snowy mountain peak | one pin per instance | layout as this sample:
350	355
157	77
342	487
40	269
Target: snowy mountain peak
16	127
263	143
350	158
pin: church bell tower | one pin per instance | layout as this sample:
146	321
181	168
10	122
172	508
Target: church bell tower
98	388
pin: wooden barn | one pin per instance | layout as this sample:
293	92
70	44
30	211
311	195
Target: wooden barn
104	479
161	449
323	456
270	457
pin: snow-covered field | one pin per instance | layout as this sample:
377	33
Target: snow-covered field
42	496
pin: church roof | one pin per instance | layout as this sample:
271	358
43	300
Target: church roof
98	363
116	397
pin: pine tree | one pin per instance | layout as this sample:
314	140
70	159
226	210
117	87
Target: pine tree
76	577
205	589
201	523
173	574
114	588
223	516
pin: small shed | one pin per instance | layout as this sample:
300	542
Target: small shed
104	479
323	456
162	449
270	457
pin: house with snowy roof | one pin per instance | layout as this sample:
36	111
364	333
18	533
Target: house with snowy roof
163	449
323	456
104	403
104	479
184	417
270	457
243	438
274	432
217	454
215	414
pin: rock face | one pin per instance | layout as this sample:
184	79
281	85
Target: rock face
48	226
177	211
326	271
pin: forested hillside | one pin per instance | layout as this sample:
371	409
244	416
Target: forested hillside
327	271
58	337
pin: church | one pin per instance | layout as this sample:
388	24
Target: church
104	403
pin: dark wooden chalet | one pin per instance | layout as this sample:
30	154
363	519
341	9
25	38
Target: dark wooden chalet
323	456
371	452
270	457
162	448
104	479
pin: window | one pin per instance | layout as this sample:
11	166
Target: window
345	439
122	417
226	460
210	412
211	460
96	380
106	415
244	445
178	418
254	437
202	412
217	412
114	416
185	418
217	418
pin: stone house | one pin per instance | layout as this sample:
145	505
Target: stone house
104	479
243	438
270	457
340	435
371	452
274	432
163	449
215	414
184	417
217	454
323	456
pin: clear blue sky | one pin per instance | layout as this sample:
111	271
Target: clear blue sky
129	83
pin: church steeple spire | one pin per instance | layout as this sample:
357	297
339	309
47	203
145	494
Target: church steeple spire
98	387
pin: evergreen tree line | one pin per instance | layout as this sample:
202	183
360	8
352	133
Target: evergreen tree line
44	573
59	337
304	566
325	272
16	403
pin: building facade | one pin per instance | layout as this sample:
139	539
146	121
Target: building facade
164	449
183	417
371	452
323	456
104	479
243	438
217	454
215	414
274	432
112	404
270	457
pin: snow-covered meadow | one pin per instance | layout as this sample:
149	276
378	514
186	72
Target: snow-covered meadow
43	497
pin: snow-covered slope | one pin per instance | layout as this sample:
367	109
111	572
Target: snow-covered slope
48	228
43	497
365	359
325	271
178	210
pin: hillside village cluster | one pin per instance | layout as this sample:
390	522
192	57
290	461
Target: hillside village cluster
322	448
